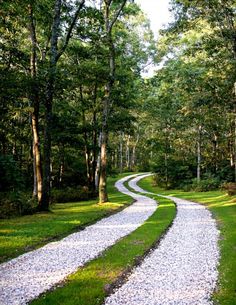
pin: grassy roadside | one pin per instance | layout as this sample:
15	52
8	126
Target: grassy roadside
91	284
21	234
223	208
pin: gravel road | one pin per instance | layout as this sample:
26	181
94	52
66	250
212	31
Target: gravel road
27	276
183	268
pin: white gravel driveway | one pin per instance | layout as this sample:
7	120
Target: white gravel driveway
27	276
183	269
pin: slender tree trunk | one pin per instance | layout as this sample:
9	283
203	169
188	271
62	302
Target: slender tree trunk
199	153
121	151
85	136
37	158
103	196
34	96
48	108
166	169
166	159
235	147
94	149
98	164
62	165
215	148
128	153
133	160
110	20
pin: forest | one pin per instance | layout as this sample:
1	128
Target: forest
75	106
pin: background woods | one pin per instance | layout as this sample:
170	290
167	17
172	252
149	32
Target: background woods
75	105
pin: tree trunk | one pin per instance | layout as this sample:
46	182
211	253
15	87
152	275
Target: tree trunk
121	151
128	153
166	170
94	149
47	152
98	165
103	197
48	108
235	147
215	149
34	97
199	156
85	136
61	166
37	158
109	23
133	160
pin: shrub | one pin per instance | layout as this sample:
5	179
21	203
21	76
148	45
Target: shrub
70	194
173	176
230	187
16	204
209	183
10	174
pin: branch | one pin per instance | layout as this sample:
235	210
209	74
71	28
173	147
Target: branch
117	15
54	31
69	33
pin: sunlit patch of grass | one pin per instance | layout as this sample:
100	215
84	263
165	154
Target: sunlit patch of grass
223	208
21	234
91	284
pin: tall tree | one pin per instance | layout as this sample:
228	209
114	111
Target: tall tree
111	11
54	56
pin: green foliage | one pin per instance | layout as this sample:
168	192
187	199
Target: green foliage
16	203
230	187
171	174
10	174
70	194
206	184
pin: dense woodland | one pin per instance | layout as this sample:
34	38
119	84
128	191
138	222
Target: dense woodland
75	106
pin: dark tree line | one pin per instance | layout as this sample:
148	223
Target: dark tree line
67	75
74	106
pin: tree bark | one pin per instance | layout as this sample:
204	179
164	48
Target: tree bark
34	97
128	153
55	55
94	149
109	23
48	107
199	153
121	151
98	164
133	161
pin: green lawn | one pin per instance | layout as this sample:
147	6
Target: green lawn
223	208
91	284
18	235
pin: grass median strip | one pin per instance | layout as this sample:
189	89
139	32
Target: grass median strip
21	234
223	208
91	284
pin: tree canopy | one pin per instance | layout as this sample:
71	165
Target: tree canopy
75	106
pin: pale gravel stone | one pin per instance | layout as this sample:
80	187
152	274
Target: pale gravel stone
27	276
183	269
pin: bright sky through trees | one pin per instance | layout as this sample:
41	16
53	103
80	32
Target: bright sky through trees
159	16
157	11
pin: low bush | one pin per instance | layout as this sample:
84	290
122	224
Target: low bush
230	187
16	203
10	175
70	194
209	183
